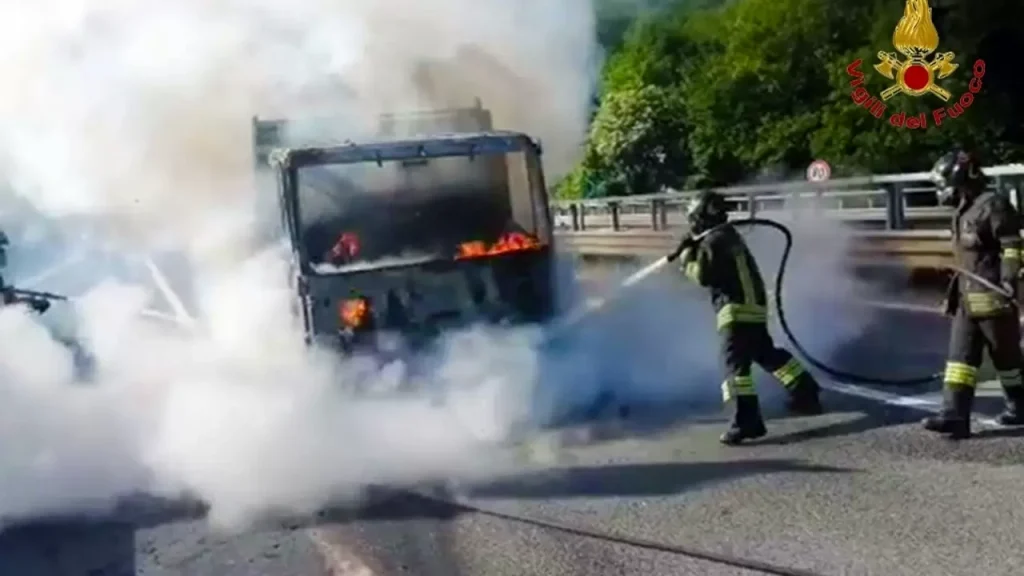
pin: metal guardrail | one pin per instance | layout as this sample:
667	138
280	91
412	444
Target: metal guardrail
883	202
917	249
895	223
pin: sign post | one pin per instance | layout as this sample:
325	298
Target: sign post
819	171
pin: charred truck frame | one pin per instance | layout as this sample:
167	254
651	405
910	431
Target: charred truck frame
416	236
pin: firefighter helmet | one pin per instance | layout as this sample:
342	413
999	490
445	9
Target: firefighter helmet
956	173
707	210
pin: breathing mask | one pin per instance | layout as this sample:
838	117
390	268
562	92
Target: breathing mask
705	211
957	177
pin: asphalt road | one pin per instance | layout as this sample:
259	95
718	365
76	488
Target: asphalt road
858	491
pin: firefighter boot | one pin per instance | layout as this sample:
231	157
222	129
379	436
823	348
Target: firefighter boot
1013	415
954	420
804	397
747	423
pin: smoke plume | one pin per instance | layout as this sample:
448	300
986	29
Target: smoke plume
134	116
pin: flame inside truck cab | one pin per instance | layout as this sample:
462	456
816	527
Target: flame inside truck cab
467	197
346	247
507	243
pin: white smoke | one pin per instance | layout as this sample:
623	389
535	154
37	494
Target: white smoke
137	113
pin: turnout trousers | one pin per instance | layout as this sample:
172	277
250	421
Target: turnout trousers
746	344
969	338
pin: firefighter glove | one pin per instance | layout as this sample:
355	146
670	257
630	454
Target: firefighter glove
688	241
39	305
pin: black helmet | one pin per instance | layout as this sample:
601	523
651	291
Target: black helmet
706	210
957	172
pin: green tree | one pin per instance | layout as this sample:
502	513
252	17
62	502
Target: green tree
721	94
638	140
758	95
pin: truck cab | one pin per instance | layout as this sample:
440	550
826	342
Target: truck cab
416	236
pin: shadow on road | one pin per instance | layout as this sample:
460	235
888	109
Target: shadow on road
863	423
86	545
870	416
633	479
618	480
83	549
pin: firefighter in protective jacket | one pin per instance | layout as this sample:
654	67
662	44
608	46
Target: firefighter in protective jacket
986	242
714	255
9	297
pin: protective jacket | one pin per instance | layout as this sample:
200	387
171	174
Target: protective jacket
986	242
722	262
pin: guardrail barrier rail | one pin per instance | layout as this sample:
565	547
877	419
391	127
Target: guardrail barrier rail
895	215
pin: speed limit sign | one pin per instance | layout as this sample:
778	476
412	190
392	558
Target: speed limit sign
819	171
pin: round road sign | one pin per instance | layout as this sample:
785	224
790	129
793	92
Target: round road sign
819	171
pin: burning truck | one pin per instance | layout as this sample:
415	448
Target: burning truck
413	234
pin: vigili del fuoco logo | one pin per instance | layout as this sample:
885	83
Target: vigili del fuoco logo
917	75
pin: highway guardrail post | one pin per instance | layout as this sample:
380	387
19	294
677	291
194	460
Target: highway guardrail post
1010	186
894	206
614	208
1016	192
657	208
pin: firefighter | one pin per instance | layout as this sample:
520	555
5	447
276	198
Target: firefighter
986	242
9	297
720	260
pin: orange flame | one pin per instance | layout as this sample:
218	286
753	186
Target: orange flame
511	242
354	313
346	247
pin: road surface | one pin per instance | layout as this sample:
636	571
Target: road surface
857	491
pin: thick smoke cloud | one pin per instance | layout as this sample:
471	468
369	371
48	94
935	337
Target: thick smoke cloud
134	116
142	109
125	128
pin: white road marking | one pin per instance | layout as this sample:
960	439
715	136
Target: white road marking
922	402
339	561
180	311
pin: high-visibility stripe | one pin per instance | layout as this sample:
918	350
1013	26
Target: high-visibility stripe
982	303
690	268
746	277
742	314
1010	241
960	374
692	271
1011	254
738	386
789	372
1010	378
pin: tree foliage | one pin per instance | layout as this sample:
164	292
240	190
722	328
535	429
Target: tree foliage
638	140
708	93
